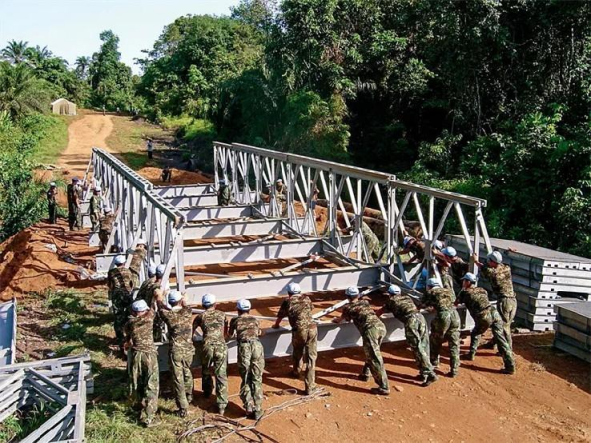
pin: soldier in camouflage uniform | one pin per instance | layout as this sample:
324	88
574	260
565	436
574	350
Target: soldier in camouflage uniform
304	333
499	276
485	316
143	362
224	193
95	209
179	318
451	267
214	362
281	196
74	216
106	226
138	257
446	324
146	290
251	359
372	332
120	284
415	330
414	246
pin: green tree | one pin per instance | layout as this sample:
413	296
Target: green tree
15	52
21	93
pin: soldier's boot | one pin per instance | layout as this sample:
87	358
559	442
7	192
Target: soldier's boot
435	364
508	370
365	373
453	373
380	391
313	390
429	379
258	414
182	413
250	410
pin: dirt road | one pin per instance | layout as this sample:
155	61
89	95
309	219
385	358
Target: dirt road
91	130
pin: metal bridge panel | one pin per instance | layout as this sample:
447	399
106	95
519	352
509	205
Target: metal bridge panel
231	229
215	212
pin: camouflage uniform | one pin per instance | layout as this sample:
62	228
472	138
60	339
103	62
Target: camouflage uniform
304	335
106	226
251	361
280	195
371	241
138	257
415	330
95	211
52	205
485	316
224	195
181	352
502	287
372	332
445	326
215	354
120	287
73	207
146	290
143	365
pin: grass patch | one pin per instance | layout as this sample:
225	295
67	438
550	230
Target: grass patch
129	138
22	423
194	130
54	140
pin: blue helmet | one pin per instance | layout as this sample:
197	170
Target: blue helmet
352	292
243	305
470	277
433	282
208	300
394	290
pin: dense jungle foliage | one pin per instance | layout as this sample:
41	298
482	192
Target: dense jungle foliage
485	97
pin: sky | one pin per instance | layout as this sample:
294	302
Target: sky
71	28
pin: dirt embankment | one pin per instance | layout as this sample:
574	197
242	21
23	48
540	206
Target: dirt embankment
44	257
179	176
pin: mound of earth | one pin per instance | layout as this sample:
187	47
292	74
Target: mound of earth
46	256
179	176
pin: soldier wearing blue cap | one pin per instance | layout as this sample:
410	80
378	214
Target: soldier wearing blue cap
179	318
251	358
446	324
143	361
485	316
214	362
120	284
372	331
415	330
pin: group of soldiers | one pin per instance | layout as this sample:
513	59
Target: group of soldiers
139	314
74	192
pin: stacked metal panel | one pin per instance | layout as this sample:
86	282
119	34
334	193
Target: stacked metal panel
7	332
542	278
573	329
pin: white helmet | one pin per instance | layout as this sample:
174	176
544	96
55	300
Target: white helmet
450	251
438	244
151	270
433	282
174	296
139	306
495	256
470	277
293	288
222	181
394	290
160	270
108	210
243	305
141	241
208	300
279	180
407	240
120	259
352	291
52	185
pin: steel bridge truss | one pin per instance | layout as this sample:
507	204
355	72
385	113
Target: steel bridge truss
284	228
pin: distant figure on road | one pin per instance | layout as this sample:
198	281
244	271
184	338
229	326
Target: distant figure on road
167	174
74	205
150	149
104	110
51	203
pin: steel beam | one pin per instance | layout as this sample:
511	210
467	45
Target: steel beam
201	230
193	201
245	252
7	332
277	342
215	212
310	280
185	190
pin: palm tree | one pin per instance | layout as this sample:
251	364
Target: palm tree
37	55
82	65
15	51
20	91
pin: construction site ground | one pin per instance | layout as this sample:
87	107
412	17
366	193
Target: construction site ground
547	400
